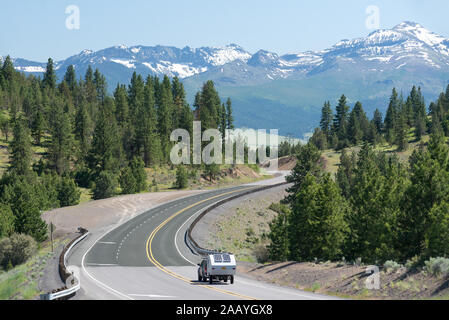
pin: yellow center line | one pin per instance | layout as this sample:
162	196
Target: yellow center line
150	255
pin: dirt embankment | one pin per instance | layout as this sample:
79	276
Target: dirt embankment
285	163
239	226
349	281
164	178
101	213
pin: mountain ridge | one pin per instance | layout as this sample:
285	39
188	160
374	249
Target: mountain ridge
364	68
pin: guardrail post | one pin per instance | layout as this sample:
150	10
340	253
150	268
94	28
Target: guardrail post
72	284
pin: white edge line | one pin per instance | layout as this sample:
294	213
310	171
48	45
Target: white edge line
258	285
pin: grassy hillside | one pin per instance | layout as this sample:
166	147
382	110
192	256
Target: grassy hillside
332	157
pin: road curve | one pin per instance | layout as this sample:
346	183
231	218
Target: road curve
147	258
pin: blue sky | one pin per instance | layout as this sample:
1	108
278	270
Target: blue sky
36	29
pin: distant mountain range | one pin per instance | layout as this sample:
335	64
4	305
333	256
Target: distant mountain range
285	92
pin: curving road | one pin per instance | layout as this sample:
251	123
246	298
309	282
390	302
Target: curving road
147	258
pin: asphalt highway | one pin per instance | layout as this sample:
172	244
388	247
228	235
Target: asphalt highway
147	258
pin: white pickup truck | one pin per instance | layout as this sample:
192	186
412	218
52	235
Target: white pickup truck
220	267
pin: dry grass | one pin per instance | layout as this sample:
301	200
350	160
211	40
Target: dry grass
332	157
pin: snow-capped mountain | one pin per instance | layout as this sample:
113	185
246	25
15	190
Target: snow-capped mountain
365	69
158	60
406	45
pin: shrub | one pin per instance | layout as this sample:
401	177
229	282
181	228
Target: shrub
413	263
105	185
68	192
437	266
392	266
128	182
262	254
16	250
182	180
138	170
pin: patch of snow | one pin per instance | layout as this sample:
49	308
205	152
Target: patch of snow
227	54
382	59
174	69
30	69
126	63
86	52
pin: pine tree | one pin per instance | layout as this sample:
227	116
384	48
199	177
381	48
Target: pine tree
122	111
100	84
70	78
20	149
209	107
164	112
138	170
400	132
345	173
437	235
429	188
308	163
147	127
279	240
358	124
372	213
223	123
341	120
390	118
68	193
61	146
106	152
179	100
21	195
229	116
83	130
378	121
326	119
182	180
49	80
128	181
8	73
105	185
37	125
317	226
420	114
90	90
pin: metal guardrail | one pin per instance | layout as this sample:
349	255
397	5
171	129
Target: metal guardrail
68	278
189	239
